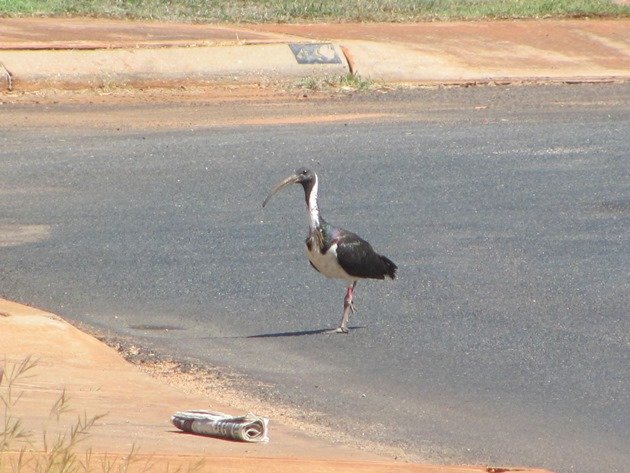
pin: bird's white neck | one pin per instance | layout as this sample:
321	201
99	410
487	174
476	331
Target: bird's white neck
313	209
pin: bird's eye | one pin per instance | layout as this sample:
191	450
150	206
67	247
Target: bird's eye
304	172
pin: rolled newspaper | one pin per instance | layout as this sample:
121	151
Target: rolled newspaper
249	428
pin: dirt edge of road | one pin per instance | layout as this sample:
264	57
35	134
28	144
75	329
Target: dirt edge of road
236	390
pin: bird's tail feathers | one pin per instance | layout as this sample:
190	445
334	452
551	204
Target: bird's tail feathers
390	265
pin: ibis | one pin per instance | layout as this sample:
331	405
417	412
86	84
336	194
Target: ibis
335	252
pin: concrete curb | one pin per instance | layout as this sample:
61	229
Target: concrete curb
146	67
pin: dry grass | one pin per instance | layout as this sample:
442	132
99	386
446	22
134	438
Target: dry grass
61	453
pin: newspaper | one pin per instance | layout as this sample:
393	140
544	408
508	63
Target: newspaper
249	428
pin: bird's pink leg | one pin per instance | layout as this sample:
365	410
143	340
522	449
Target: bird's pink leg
348	306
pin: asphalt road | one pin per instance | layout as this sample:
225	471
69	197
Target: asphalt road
505	339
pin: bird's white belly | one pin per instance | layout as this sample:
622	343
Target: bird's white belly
327	263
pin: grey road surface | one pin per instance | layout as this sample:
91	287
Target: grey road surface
505	339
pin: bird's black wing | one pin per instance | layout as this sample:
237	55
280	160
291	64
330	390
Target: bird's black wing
357	257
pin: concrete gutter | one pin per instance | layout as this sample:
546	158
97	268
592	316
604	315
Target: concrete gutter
147	67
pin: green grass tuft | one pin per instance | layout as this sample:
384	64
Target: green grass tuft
342	83
279	11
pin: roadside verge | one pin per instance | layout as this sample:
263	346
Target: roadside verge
84	53
97	381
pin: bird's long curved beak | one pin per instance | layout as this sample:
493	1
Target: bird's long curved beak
292	179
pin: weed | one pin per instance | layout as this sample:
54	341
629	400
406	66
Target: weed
355	82
343	83
11	428
60	454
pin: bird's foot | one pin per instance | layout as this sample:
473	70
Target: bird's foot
338	330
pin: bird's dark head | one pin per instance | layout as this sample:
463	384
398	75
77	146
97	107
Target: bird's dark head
303	176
